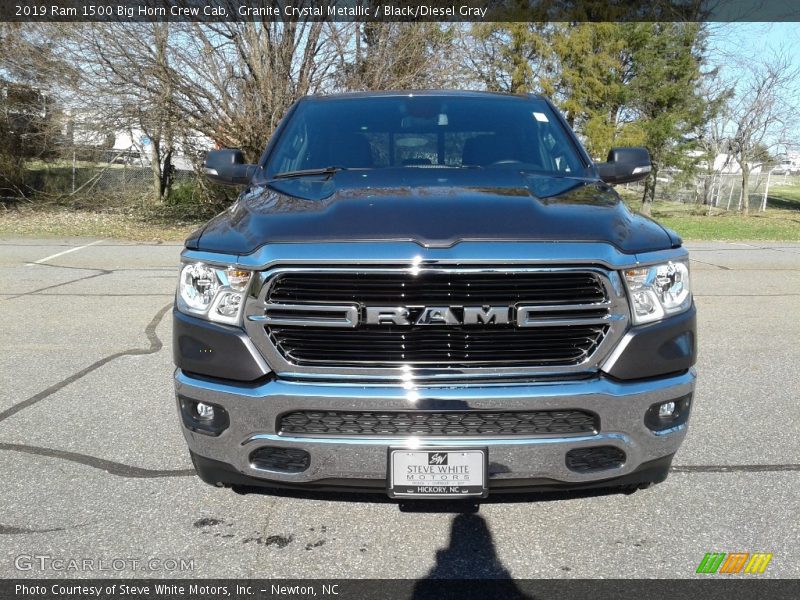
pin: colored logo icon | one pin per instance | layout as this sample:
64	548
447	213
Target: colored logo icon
734	562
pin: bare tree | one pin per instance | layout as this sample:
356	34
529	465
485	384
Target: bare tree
192	84
761	113
107	83
385	56
233	82
712	142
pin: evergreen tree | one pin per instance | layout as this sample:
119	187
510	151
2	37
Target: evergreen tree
511	57
666	102
617	83
589	80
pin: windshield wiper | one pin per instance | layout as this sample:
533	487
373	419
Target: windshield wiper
309	172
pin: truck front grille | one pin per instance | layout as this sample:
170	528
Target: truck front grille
444	424
321	321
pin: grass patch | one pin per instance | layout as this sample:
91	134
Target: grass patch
774	225
114	210
780	222
784	197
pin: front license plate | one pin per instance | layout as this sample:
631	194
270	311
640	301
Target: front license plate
437	473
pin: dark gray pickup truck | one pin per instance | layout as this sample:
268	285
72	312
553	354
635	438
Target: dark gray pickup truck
432	294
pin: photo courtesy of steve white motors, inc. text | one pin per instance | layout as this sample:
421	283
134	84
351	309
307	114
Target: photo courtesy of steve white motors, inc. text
171	589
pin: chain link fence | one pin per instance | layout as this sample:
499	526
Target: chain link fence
110	178
128	179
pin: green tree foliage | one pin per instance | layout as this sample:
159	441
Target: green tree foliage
590	81
666	102
617	83
510	57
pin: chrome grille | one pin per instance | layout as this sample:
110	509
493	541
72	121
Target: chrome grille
314	321
438	288
486	345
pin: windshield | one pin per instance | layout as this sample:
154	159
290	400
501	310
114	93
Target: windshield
425	132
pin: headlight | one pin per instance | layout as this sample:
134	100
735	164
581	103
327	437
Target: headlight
212	292
198	286
658	291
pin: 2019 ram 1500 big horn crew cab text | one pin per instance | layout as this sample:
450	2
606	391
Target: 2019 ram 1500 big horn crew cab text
432	294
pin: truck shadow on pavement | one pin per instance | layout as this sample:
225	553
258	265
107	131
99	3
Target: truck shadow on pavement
470	554
468	567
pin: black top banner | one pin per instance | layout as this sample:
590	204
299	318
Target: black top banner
399	10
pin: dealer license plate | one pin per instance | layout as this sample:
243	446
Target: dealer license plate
437	473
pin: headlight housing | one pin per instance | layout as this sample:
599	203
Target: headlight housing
216	293
658	291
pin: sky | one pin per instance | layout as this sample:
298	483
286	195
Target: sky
756	40
753	38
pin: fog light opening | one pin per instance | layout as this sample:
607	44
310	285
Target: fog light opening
663	416
666	410
203	417
204	412
284	460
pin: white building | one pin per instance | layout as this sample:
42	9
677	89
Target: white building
724	164
130	146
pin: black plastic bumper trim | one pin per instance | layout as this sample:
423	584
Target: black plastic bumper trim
658	349
215	473
214	350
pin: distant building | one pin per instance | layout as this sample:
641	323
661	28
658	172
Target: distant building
131	147
724	164
790	163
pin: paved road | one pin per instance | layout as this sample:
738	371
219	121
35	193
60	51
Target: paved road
94	466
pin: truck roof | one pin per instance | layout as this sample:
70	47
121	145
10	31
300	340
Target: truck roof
438	93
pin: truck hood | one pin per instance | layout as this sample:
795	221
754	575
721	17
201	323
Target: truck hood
432	207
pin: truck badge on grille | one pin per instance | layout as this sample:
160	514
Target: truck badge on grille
437	315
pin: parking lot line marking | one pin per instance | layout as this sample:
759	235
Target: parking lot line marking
46	258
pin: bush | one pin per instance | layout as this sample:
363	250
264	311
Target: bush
12	176
193	199
107	189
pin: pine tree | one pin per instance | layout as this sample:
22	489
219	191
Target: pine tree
666	99
589	80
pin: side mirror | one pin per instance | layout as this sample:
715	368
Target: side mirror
228	167
624	165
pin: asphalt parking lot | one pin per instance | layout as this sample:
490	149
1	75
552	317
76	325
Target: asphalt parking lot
93	464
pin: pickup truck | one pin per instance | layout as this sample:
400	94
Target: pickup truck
432	294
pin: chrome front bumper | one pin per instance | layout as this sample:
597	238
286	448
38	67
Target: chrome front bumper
253	411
